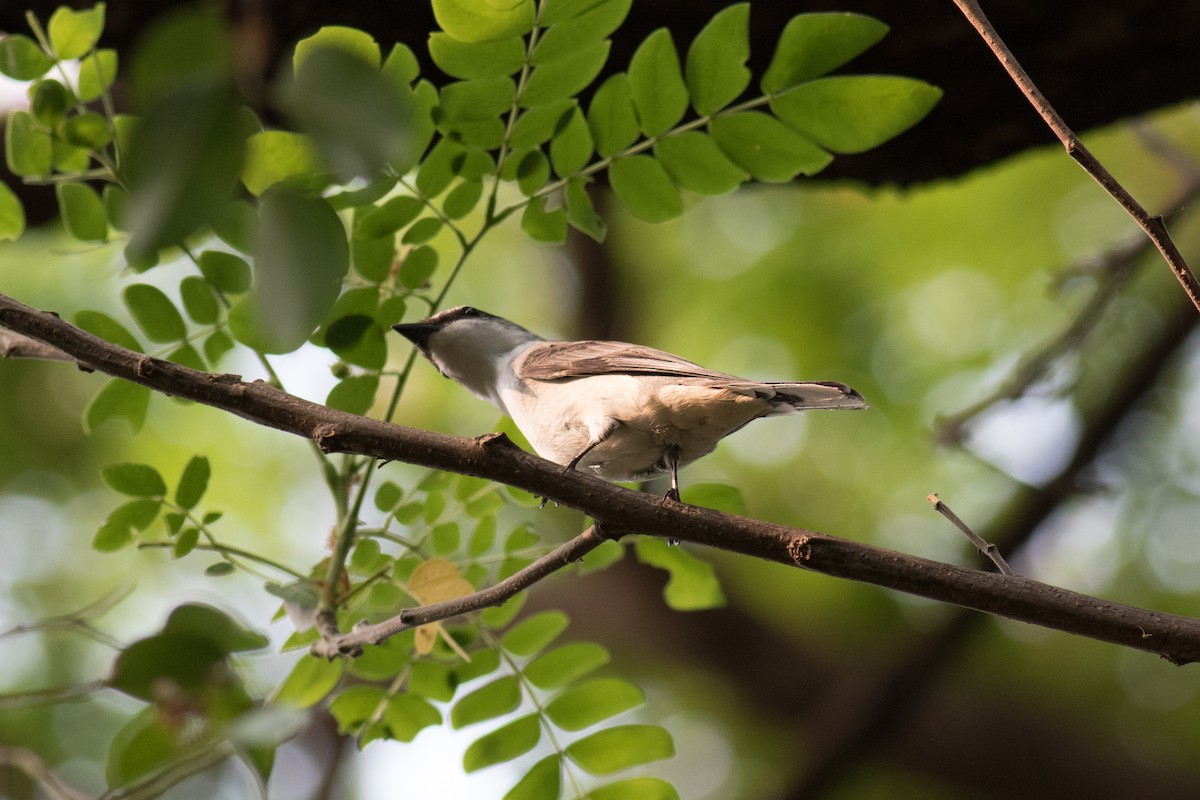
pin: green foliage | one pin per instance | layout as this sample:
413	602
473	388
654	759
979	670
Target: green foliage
322	233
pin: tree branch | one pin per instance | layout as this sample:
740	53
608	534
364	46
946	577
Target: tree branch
1175	638
351	643
1154	227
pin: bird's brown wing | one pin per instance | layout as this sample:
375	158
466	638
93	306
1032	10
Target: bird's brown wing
552	361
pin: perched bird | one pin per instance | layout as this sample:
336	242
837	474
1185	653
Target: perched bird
620	411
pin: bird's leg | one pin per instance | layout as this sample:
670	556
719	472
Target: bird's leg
672	459
574	462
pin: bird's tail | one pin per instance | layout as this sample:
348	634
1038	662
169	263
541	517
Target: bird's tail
792	398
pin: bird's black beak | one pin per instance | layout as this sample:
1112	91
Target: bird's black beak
418	333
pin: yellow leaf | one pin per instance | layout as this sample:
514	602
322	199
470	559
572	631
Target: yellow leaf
436	581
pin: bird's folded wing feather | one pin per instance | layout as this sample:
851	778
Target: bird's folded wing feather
549	361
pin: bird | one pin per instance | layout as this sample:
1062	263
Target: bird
620	411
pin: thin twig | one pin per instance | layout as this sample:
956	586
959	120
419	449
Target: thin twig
1152	225
331	646
31	764
986	548
1113	269
13	345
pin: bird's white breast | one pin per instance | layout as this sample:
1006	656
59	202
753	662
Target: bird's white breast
643	417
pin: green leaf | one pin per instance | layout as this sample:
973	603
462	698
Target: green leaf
356	705
332	86
96	74
542	225
501	696
562	665
27	148
813	44
466	61
418	266
477	99
613	749
571	147
82	211
401	66
21	59
635	789
75	33
185	661
407	715
12	215
484	20
533	170
354	395
504	744
580	212
612	117
182	166
388	495
143	744
237	226
462	199
274	156
186	542
358	340
483	537
719	496
569	36
198	300
49	101
716	62
584	705
853	113
217	345
566	76
394	214
351	41
206	623
423	230
302	257
695	163
193	482
765	147
532	635
118	399
309	682
180	52
88	131
139	480
693	585
544	780
154	313
537	125
439	167
219	569
656	84
644	187
111	537
373	258
107	328
227	272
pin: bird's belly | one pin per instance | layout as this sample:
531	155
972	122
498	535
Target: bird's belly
642	426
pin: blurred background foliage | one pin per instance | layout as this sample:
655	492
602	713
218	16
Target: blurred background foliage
925	299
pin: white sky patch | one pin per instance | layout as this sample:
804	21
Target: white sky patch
1031	439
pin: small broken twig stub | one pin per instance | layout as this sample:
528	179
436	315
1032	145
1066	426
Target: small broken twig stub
986	548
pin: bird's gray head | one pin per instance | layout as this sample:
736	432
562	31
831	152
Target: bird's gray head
468	345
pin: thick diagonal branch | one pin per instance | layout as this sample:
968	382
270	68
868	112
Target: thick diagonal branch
1174	637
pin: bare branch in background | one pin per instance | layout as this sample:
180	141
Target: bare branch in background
1154	227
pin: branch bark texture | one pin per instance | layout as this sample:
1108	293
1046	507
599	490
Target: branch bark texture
1173	637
